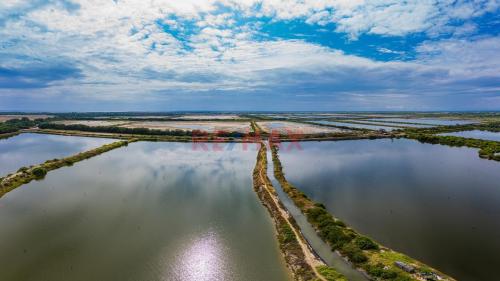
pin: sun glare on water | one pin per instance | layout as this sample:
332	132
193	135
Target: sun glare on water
202	259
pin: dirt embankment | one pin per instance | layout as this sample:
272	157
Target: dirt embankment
298	255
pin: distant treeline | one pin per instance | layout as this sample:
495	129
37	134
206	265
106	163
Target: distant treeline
137	131
158	118
487	149
492	127
14	125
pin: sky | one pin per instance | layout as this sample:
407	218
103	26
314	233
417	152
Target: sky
229	55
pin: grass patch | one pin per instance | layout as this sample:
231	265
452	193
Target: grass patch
330	274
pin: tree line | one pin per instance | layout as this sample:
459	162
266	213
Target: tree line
137	131
14	125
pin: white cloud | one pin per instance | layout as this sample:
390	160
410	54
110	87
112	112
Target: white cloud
124	53
389	51
471	58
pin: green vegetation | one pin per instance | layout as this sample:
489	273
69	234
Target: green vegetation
14	125
289	245
379	262
8	135
256	129
25	175
491	126
487	149
39	172
330	274
365	243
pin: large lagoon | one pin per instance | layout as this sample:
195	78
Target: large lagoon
149	211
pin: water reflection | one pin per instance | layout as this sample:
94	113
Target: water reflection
436	203
149	211
203	258
331	258
476	134
29	149
428	121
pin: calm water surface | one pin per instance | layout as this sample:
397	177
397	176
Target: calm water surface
29	149
476	134
427	121
353	125
436	203
382	123
149	211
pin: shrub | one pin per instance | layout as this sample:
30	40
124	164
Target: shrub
354	253
314	213
389	274
365	243
330	274
340	223
320	205
286	234
39	172
375	270
335	236
22	169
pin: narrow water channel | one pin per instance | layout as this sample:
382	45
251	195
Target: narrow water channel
331	258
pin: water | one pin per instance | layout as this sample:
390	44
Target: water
30	149
435	203
352	125
322	249
382	123
476	134
149	211
428	121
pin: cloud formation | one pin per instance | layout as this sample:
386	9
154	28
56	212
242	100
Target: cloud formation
126	54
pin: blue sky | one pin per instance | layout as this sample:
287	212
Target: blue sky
323	55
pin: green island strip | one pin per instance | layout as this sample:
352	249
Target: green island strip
489	126
304	266
377	261
27	174
360	122
8	135
487	149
